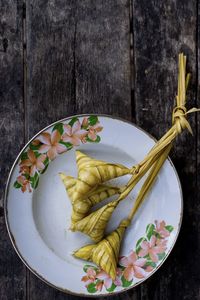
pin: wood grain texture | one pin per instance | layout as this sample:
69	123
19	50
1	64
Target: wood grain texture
161	31
50	92
102	57
197	190
12	271
87	56
78	60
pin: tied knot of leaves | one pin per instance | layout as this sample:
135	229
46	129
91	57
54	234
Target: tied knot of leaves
135	169
179	118
125	223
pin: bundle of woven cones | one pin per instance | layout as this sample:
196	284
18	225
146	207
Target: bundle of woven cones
90	187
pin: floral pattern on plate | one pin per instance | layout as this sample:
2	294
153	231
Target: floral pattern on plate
63	137
149	251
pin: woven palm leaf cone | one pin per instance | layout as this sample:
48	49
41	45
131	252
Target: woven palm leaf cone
94	172
82	204
81	207
76	189
94	224
179	122
105	253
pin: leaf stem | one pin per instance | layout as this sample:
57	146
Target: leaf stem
149	181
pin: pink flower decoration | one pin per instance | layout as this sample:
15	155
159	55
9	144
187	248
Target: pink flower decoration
85	122
92	130
149	269
162	244
90	277
51	144
24	182
118	281
133	266
153	247
24	169
99	286
35	142
35	163
107	281
74	134
160	228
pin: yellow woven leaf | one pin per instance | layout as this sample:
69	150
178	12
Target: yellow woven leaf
81	203
95	223
76	189
105	253
94	172
81	207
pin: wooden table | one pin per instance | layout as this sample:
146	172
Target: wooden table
119	57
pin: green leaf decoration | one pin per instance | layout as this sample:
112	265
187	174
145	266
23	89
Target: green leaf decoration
112	288
17	185
126	283
92	120
67	145
27	176
121	267
37	154
169	228
150	230
161	255
46	163
24	156
86	267
91	288
44	170
138	248
157	235
150	263
35	147
73	120
59	127
147	257
34	180
98	139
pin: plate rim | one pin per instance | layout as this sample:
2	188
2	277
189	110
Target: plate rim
12	239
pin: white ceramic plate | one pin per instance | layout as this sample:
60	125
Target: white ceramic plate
38	211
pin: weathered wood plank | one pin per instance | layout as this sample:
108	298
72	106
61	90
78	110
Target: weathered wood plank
12	271
50	79
102	57
196	222
161	31
50	57
77	61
